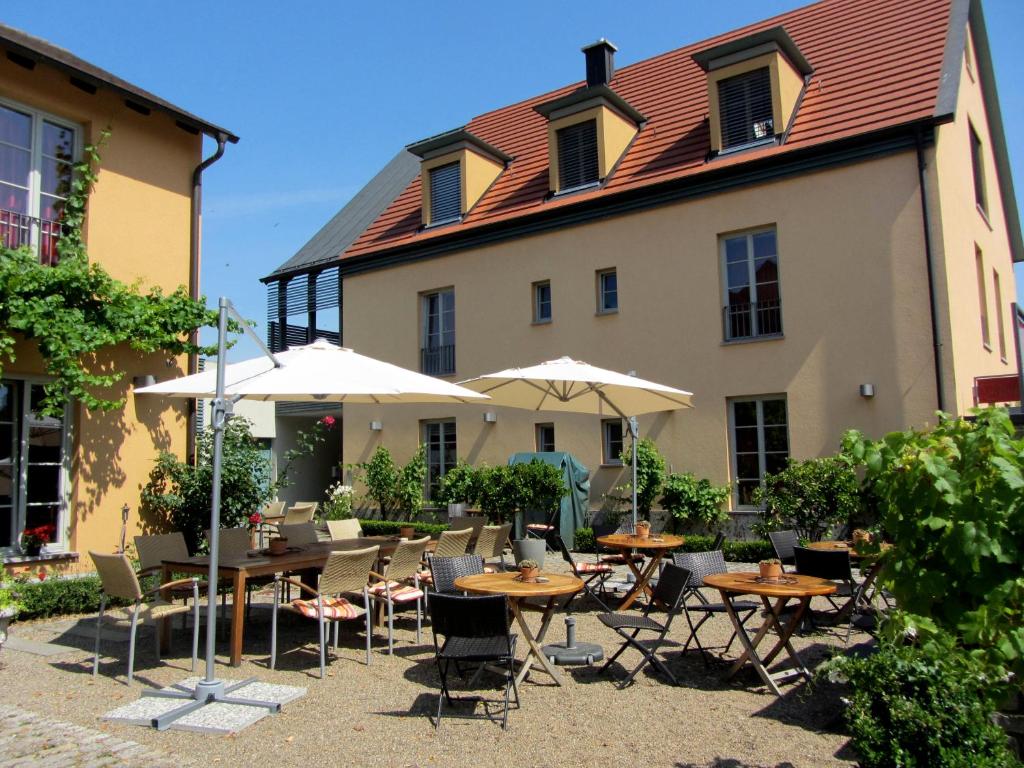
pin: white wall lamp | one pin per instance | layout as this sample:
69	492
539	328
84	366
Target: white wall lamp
376	426
147	380
867	390
490	417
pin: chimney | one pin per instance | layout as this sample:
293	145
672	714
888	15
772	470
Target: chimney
600	62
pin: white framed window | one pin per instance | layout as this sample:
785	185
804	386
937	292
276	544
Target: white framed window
37	155
607	291
611	442
542	301
545	437
759	437
752	300
445	193
35	459
439	439
437	335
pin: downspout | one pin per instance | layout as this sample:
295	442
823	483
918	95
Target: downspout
940	394
193	278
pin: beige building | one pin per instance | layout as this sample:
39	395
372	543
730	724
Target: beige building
809	223
79	471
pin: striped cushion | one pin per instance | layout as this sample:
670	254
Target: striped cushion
540	527
593	568
621	559
489	569
400	593
426	577
334	608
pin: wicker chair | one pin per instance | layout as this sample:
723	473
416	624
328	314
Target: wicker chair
273	513
154	549
449	544
340	530
475	523
445	570
588	573
701	565
299	534
234	544
345	573
784	542
120	581
491	543
300	512
393	588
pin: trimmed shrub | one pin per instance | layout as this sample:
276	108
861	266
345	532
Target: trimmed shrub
58	597
390	527
735	551
809	496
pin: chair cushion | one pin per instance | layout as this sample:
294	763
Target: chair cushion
426	577
621	559
400	593
476	648
593	568
540	527
152	611
334	608
490	569
629	621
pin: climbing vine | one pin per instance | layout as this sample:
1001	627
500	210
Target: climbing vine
74	310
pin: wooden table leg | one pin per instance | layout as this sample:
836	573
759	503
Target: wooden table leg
535	652
785	633
750	645
165	626
238	617
642	580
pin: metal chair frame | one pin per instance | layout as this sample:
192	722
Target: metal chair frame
587	577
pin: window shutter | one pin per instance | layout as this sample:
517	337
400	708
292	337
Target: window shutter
577	155
445	193
745	107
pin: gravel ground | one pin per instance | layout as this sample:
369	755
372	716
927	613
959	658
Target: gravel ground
381	715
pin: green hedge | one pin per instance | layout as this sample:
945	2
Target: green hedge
390	527
58	597
735	551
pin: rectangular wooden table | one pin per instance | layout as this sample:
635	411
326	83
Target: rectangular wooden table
311	557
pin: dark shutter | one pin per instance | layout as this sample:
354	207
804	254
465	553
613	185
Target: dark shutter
577	155
745	107
445	193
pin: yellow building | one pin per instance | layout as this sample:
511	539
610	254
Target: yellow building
809	223
78	472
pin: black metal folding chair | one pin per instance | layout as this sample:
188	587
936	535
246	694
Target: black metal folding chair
593	575
784	542
476	631
700	565
719	541
670	591
833	565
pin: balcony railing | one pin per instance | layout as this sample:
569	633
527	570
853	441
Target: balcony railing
753	319
41	235
438	361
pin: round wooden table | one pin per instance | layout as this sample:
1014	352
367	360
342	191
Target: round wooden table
790	586
508	584
654	546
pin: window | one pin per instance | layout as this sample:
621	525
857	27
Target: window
982	298
745	106
36	156
445	193
753	304
545	437
760	443
542	302
33	454
607	291
439	439
437	353
577	155
977	165
611	439
999	315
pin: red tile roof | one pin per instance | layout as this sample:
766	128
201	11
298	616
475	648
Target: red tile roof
877	65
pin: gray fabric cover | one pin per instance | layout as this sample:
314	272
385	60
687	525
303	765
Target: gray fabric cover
574	503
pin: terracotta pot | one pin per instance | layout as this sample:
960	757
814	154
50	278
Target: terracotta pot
861	537
278	546
770	570
527	574
643	531
406	532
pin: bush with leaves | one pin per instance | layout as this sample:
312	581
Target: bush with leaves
809	496
694	502
527	487
952	501
459	485
913	706
396	490
650	475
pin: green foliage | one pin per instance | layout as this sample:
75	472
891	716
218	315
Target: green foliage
337	503
584	540
733	551
395	489
952	501
178	494
74	311
58	597
507	490
694	502
391	527
459	485
911	708
650	475
9	600
809	496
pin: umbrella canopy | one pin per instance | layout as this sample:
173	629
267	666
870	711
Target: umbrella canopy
320	371
570	386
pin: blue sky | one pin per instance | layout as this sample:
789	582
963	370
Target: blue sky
324	93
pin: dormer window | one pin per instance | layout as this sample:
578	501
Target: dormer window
457	169
577	155
754	87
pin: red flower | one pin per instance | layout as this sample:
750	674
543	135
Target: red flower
255	518
41	575
327	421
41	534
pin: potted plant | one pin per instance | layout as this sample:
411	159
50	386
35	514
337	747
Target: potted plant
643	529
861	537
771	568
278	546
528	570
33	539
406	531
9	607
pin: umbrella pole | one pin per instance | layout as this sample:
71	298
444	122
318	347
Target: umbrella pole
633	430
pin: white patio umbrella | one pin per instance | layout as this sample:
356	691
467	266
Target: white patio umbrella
315	372
570	386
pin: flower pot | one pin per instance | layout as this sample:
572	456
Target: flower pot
770	570
406	531
643	531
528	574
278	546
529	549
861	537
33	550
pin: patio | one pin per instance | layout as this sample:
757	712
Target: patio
382	714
